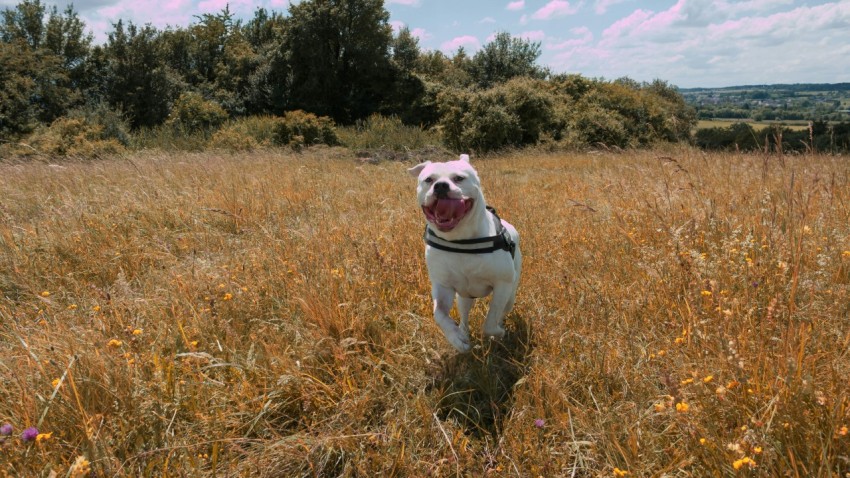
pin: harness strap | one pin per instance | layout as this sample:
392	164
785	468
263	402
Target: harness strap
483	245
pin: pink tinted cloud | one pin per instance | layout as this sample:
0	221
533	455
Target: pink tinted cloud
159	13
602	6
536	35
409	3
421	34
585	37
555	8
397	25
518	5
468	42
625	25
785	24
645	22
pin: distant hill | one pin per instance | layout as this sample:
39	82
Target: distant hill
776	87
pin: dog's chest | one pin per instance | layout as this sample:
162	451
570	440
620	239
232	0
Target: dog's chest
470	275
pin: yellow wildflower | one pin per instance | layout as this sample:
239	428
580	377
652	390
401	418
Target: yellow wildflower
843	430
706	293
708	379
137	331
45	293
703	441
687	381
227	296
738	464
620	473
96	308
682	407
55	382
43	437
80	468
115	343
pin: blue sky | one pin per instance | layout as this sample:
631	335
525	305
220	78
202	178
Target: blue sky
688	43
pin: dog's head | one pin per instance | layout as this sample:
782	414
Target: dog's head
447	191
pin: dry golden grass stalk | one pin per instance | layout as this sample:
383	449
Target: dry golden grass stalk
267	314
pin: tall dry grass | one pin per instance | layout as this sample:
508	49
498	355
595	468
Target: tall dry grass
267	314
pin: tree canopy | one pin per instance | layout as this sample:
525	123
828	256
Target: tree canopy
332	58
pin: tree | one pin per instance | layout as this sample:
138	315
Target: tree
139	82
405	48
65	37
24	23
338	57
505	58
41	65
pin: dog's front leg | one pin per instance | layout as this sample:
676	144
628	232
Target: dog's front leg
444	298
503	297
464	305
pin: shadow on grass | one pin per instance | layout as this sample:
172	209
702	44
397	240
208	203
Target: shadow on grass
476	389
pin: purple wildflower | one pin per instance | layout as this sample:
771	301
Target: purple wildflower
539	423
29	434
6	429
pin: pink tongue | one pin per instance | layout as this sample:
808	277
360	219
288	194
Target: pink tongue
448	208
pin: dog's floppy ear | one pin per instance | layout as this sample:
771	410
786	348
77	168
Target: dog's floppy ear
464	157
414	171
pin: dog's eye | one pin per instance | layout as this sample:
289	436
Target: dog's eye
458	179
428	180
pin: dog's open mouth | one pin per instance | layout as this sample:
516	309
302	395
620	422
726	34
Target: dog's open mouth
446	213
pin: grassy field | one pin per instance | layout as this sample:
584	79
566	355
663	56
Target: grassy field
757	125
268	314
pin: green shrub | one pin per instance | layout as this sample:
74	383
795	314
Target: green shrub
593	125
232	139
191	112
532	102
519	112
489	125
246	133
299	128
71	137
386	133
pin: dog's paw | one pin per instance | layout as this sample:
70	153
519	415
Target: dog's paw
461	343
496	333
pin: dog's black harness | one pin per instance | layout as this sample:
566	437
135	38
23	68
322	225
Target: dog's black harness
500	242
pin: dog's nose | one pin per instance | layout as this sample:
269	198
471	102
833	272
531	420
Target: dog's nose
441	189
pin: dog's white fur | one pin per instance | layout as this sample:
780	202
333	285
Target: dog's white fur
467	276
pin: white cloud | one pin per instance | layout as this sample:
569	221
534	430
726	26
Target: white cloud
487	20
555	8
397	25
468	42
514	6
601	6
421	34
409	3
583	36
535	35
772	47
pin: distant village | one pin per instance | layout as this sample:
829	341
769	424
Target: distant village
802	102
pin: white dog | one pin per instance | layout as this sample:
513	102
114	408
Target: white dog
470	252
